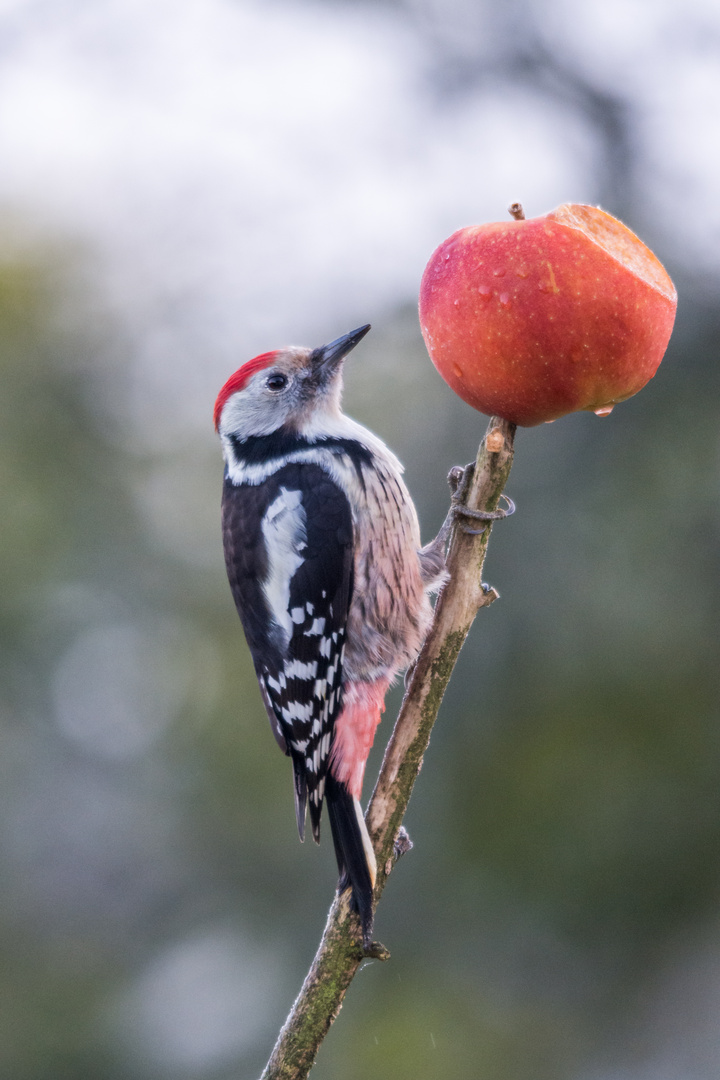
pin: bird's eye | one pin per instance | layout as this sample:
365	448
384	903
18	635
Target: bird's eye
276	381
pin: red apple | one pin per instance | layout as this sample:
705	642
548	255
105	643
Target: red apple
533	319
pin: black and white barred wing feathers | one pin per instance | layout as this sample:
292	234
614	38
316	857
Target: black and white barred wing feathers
292	584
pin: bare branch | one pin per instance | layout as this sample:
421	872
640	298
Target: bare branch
340	952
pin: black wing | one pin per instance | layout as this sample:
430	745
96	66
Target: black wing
289	556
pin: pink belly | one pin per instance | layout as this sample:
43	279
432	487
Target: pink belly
363	705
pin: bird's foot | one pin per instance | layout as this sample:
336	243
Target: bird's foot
459	479
432	556
460	511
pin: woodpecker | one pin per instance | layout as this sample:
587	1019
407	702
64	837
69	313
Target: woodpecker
323	555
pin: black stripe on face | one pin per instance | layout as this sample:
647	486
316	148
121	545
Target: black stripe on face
261	449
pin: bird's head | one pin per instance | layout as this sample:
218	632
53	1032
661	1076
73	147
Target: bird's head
286	388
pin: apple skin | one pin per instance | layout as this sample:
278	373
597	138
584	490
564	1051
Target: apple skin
537	318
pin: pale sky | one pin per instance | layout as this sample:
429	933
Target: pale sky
279	172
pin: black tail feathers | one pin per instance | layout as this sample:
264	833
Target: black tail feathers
300	795
353	850
306	798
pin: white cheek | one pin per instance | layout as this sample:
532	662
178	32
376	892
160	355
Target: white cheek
253	411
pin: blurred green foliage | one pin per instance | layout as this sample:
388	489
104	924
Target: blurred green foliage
567	819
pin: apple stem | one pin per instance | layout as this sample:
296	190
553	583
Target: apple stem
517	211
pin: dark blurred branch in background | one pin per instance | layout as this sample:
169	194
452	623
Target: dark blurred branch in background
510	46
340	953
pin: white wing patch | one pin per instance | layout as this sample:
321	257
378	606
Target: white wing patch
285	536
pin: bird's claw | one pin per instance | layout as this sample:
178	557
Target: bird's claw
459	510
456	474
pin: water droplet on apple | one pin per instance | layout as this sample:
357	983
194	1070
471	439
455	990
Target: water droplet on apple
500	272
604	411
485	291
505	299
456	303
521	272
457	371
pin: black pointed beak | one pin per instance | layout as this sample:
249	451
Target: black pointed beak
327	357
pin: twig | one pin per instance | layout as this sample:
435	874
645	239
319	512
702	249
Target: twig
340	952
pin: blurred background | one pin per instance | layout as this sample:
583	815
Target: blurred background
183	185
